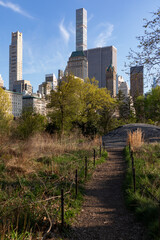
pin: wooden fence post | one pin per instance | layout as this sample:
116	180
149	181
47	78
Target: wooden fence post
94	157
86	167
134	180
76	182
100	150
159	216
62	209
132	158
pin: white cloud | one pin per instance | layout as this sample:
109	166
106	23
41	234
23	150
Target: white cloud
44	59
64	31
72	29
90	18
104	35
15	8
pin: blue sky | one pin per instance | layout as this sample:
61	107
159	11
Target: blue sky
48	28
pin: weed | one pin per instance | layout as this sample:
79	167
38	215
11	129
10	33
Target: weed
143	202
33	172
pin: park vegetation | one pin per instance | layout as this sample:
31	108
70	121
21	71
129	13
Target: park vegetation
144	199
39	156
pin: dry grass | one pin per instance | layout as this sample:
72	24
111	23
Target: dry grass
135	139
18	156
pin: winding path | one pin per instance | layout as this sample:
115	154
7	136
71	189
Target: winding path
104	215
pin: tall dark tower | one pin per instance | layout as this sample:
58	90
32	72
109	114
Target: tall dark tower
136	81
81	29
111	80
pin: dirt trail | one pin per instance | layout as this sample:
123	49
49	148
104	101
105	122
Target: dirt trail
104	215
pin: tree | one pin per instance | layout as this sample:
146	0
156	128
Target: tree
79	104
98	108
140	108
65	103
5	112
149	47
30	123
153	104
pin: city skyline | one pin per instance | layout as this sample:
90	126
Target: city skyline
49	38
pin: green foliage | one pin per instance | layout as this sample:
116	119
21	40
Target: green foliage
64	102
14	235
29	200
83	104
104	154
153	104
5	112
140	108
125	110
146	162
29	123
148	108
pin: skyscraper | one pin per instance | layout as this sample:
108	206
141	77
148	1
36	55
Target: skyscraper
78	65
81	29
111	80
15	59
1	81
98	60
136	81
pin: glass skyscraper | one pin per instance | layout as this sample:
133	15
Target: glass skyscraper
15	59
81	29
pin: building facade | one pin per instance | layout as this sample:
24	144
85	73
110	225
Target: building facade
23	86
81	29
35	103
15	59
51	78
1	81
136	81
98	60
111	80
122	86
45	88
16	103
50	84
78	65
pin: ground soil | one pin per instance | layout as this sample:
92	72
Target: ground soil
104	215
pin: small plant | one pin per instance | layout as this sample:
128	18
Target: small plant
104	154
135	139
144	202
33	172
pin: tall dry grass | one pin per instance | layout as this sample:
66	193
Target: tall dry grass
135	139
19	155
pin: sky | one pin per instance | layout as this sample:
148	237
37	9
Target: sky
48	28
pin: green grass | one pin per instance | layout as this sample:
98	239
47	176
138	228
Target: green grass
28	201
143	203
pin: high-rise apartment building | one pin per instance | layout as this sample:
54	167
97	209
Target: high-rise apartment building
78	65
60	74
111	80
98	60
81	29
16	103
51	78
23	86
136	81
50	84
1	81
15	59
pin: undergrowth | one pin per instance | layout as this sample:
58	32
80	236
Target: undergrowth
144	202
30	199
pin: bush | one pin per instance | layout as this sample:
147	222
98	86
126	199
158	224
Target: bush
29	124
